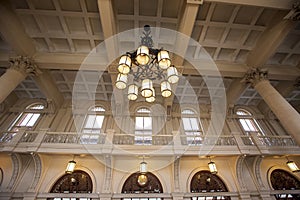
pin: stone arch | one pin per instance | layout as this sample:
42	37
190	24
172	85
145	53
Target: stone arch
79	181
142	183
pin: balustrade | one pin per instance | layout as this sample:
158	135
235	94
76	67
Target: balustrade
38	139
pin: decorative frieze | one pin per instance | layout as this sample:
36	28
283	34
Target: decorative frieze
255	75
24	65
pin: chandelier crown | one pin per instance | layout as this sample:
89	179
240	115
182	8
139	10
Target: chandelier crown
145	65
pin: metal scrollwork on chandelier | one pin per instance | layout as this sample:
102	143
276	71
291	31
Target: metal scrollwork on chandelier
143	66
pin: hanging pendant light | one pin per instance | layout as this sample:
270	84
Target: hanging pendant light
163	59
152	98
121	81
212	167
132	92
165	89
172	75
70	167
143	167
146	89
142	55
124	64
292	165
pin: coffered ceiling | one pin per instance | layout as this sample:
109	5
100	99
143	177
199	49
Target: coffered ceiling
65	31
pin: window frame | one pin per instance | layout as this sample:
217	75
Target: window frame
34	109
96	113
143	136
192	136
248	123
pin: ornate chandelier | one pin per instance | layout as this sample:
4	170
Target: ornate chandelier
140	68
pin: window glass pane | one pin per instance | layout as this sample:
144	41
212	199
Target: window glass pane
139	123
251	125
143	110
194	123
90	121
97	109
99	121
186	124
33	119
188	112
24	120
148	123
36	107
244	125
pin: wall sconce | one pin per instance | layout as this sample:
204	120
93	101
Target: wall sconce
212	167
71	166
292	165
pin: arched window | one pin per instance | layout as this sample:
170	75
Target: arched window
248	123
204	181
282	180
191	127
143	127
142	183
77	182
94	120
28	118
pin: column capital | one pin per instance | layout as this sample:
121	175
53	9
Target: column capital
25	65
255	75
294	14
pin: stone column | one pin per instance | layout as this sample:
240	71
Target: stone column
287	115
20	68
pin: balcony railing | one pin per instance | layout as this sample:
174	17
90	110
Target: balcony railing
25	140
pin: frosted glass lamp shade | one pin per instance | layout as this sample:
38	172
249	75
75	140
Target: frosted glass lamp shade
143	167
142	55
172	75
212	167
163	59
121	81
132	92
293	167
124	64
152	98
70	167
147	86
165	89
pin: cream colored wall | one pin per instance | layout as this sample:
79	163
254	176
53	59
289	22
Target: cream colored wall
7	168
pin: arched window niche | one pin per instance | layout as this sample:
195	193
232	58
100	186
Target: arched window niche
248	123
77	182
142	183
28	118
203	182
283	180
191	127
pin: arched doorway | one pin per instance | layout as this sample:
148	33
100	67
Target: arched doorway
77	182
205	181
283	180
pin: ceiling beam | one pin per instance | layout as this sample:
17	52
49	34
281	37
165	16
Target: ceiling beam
269	41
186	25
95	62
47	85
13	31
108	22
276	4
